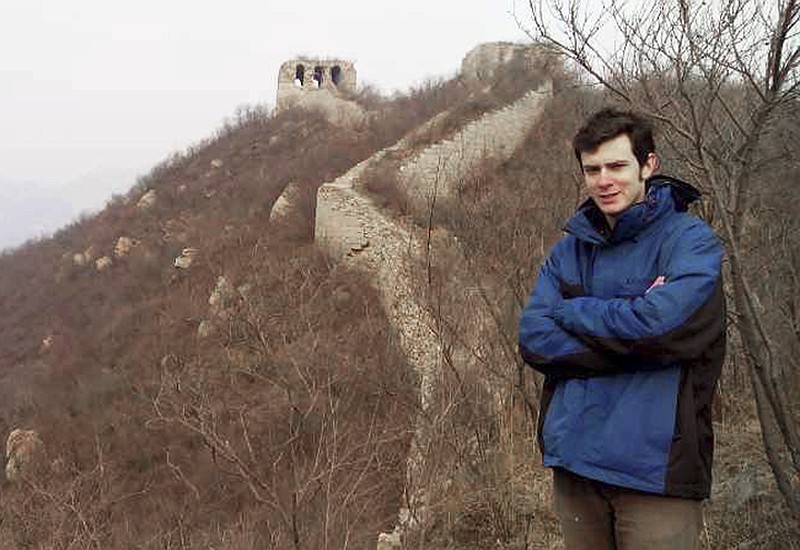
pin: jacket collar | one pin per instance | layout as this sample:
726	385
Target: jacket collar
664	195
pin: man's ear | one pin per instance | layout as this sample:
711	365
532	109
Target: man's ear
650	166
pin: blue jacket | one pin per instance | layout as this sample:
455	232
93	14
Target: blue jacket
630	368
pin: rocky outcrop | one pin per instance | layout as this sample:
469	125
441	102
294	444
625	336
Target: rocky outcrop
124	246
287	202
102	264
147	201
479	67
25	454
187	258
84	258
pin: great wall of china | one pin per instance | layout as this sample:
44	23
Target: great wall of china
354	231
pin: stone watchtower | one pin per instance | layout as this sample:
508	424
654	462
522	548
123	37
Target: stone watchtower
305	82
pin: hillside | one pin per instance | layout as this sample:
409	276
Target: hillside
316	375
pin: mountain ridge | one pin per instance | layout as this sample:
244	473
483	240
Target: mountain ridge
263	396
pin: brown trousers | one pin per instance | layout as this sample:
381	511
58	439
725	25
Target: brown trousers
598	516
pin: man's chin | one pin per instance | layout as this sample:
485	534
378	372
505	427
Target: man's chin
613	210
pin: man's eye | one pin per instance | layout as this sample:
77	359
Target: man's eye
591	170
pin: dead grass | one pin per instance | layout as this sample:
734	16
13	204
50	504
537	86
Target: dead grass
288	426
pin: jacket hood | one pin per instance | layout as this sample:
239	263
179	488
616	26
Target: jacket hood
664	194
683	194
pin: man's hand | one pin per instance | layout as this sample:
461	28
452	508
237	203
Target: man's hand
660	280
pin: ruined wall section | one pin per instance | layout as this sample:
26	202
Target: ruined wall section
437	170
305	75
322	85
354	231
340	227
388	249
343	216
351	228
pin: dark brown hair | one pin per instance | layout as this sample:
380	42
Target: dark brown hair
609	123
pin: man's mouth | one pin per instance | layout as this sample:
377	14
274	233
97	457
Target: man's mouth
608	197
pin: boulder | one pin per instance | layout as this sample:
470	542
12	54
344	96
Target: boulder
222	297
124	246
148	200
81	259
47	343
187	257
389	541
25	454
286	203
101	264
205	329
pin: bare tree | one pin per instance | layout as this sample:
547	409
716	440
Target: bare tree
718	77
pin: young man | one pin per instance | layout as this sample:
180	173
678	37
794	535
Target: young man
627	323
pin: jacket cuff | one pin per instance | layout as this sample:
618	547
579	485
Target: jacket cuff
560	314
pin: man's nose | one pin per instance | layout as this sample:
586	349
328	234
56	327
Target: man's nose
604	178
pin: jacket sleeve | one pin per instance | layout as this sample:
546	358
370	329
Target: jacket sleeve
672	322
546	346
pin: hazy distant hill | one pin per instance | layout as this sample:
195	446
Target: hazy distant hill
30	210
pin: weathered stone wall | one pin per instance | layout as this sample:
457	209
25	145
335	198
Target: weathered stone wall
342	215
437	170
351	228
340	226
308	80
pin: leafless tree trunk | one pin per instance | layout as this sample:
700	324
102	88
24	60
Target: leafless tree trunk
716	76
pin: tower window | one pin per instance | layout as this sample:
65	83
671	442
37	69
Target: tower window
336	74
318	76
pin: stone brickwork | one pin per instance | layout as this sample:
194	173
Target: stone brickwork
352	229
304	76
351	226
320	84
438	169
342	215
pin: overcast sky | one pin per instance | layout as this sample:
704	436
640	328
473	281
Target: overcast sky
95	92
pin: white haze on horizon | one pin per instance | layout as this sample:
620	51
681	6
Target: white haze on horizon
93	93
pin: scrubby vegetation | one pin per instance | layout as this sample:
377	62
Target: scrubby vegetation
280	414
273	430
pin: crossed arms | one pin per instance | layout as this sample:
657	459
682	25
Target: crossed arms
564	335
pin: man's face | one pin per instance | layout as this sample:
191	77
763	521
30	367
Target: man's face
613	177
